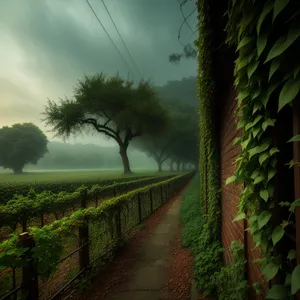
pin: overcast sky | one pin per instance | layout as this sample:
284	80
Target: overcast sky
46	45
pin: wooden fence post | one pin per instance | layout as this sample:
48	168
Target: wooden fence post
84	258
29	272
151	200
161	195
139	207
118	223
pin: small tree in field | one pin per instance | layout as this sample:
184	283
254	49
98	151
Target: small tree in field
21	144
109	106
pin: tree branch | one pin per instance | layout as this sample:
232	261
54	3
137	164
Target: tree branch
100	128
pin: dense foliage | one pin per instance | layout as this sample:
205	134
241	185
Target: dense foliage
10	188
110	106
21	144
22	209
50	238
266	36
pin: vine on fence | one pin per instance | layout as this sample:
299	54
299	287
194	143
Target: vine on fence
50	238
22	209
266	36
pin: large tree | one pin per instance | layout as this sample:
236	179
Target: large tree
21	144
110	106
178	142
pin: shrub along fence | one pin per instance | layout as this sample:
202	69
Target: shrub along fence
9	189
37	207
45	263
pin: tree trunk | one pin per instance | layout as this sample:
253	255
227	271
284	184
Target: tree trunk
172	166
18	170
178	165
125	160
159	163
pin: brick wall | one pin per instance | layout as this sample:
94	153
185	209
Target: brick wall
230	195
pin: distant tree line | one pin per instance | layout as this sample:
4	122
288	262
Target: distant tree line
159	121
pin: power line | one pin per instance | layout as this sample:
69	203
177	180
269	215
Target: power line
87	1
135	65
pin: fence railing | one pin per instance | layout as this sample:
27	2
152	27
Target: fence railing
46	262
36	208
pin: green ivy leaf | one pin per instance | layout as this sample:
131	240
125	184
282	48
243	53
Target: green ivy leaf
240	124
288	92
270	270
261	261
273	162
283	43
284	223
291	163
273	151
241	63
245	41
258	149
271	174
252	68
266	10
256	107
253	218
271	190
296	71
292	254
277	292
294	204
259	179
264	195
278	7
284	204
261	43
256	94
245	143
239	217
231	179
295	138
268	122
237	140
277	234
264	218
274	67
255	132
295	282
288	279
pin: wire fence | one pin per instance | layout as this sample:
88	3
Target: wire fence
90	246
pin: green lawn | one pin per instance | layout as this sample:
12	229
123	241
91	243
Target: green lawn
71	175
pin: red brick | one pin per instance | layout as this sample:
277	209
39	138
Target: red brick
230	195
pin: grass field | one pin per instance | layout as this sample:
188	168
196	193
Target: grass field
71	175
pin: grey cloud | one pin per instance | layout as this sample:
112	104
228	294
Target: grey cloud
62	40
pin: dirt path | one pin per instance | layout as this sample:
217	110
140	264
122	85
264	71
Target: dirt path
152	267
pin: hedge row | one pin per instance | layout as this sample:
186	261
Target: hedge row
9	189
21	208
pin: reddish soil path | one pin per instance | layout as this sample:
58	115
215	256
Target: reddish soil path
151	266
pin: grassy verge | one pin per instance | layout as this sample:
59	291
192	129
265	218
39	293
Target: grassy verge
190	214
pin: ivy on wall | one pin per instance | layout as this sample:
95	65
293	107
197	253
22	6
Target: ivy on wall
208	248
266	35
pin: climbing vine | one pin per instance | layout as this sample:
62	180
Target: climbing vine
50	239
207	250
266	37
